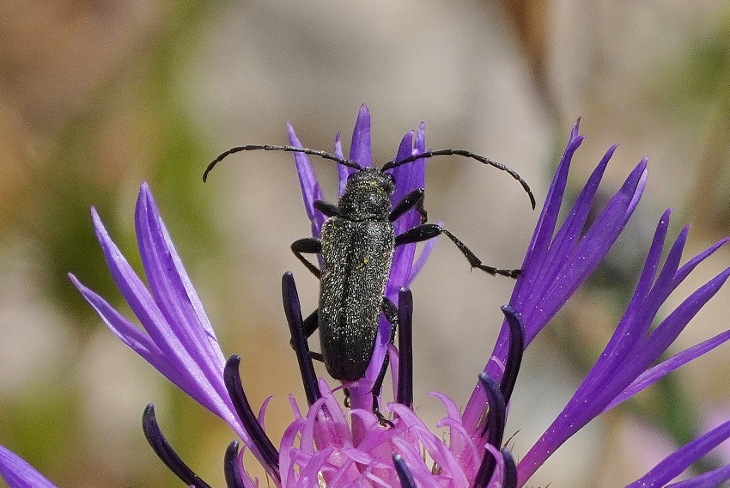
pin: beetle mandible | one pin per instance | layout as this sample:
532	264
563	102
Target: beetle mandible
356	246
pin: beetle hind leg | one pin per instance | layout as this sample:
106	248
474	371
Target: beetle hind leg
391	313
309	325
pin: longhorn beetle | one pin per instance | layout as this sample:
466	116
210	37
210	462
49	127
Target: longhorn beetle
356	246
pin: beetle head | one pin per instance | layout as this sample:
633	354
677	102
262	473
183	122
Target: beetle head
367	195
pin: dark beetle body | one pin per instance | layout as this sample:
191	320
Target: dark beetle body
356	259
356	246
357	252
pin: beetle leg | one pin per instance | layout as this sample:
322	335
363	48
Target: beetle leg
413	200
327	209
308	245
428	231
347	402
391	313
309	325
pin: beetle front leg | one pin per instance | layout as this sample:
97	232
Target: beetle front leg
308	245
413	200
327	209
429	231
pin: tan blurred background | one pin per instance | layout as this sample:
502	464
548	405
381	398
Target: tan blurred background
97	96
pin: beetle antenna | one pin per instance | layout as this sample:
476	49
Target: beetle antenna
269	147
468	154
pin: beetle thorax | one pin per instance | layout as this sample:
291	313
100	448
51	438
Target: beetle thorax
367	195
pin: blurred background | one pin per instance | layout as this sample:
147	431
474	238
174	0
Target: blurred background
97	96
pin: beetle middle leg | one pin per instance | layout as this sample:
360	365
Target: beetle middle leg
313	246
425	232
308	245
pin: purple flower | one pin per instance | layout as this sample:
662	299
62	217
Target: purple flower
556	264
328	445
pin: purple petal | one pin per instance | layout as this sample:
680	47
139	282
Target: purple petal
572	229
308	183
310	474
421	259
626	364
172	289
585	256
417	467
620	365
431	443
180	341
666	332
553	271
537	252
342	170
288	451
408	178
332	429
17	473
648	272
654	374
360	151
634	324
711	479
144	307
692	263
540	242
674	464
132	336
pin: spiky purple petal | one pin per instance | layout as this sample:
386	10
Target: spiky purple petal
17	473
557	262
311	191
674	464
360	151
632	349
178	339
